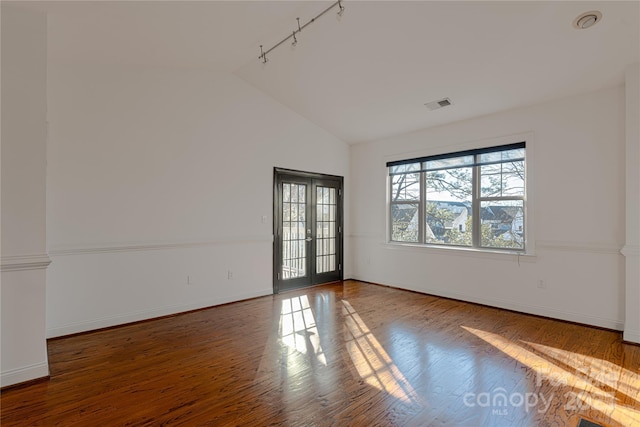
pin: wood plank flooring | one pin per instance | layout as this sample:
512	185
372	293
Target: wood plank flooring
345	354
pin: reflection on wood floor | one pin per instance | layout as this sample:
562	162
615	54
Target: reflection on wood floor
343	354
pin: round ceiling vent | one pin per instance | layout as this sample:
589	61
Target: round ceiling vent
587	20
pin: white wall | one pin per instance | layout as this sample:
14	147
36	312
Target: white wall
577	196
155	175
23	249
631	249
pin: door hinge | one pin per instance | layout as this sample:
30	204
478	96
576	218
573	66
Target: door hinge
339	191
340	267
278	275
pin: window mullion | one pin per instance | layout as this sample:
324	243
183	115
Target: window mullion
390	208
475	207
422	208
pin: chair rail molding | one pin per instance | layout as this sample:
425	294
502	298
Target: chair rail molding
154	246
630	250
25	262
592	247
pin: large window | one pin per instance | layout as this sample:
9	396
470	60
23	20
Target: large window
473	198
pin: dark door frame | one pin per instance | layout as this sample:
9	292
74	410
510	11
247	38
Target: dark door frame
277	233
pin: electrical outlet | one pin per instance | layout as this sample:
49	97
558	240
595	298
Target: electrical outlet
264	219
189	280
229	275
542	284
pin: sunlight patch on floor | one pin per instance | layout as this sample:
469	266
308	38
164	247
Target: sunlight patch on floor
298	329
602	371
590	376
371	360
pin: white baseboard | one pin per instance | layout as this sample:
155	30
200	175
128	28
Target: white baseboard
631	336
106	322
23	374
601	322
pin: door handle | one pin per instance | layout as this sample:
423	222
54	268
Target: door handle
308	239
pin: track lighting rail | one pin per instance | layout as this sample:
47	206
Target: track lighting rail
264	53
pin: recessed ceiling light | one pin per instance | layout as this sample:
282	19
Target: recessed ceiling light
587	20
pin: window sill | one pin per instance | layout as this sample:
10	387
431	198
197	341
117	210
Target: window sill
503	255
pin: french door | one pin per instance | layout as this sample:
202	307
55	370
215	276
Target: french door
308	228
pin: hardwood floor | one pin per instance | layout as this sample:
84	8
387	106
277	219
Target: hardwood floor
341	354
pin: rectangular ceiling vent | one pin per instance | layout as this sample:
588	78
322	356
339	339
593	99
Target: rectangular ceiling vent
434	105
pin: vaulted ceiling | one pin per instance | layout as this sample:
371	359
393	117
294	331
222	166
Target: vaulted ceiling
368	75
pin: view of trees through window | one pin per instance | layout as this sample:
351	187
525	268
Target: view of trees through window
475	199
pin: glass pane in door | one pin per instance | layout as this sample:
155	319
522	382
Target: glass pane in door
294	248
326	208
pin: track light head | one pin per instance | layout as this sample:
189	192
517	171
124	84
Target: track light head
340	11
263	56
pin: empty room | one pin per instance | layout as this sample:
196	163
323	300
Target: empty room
320	213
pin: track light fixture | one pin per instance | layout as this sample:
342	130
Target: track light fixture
341	11
264	53
294	43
